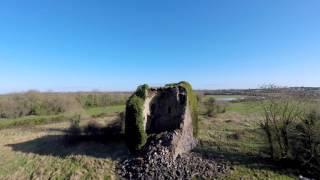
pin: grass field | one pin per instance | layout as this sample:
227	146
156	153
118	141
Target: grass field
39	151
235	136
100	111
246	108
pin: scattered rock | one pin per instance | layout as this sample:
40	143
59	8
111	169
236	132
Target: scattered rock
156	161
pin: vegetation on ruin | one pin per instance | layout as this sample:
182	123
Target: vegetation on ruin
142	91
136	136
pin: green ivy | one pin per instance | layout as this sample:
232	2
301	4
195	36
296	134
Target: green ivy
136	136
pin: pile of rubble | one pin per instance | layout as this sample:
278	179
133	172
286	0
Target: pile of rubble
157	162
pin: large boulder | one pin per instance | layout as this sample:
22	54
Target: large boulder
170	110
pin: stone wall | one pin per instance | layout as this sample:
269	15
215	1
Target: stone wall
166	110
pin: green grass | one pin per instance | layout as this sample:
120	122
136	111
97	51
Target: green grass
245	172
245	108
237	139
101	111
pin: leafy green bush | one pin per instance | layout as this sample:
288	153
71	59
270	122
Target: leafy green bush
74	129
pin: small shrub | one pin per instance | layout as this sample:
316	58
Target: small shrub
74	129
213	107
93	129
74	132
293	133
280	115
306	141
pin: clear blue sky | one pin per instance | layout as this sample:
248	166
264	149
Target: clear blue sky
69	45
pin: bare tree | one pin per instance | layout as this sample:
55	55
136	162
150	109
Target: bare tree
280	114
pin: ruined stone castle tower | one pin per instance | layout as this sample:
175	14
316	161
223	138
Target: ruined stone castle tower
154	111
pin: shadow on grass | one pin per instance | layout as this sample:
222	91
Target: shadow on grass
258	162
107	145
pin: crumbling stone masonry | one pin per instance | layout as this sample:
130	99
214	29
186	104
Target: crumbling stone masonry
154	111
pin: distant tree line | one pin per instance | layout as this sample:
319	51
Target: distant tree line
102	99
37	103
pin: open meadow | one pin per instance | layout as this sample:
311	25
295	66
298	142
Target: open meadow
38	150
159	90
